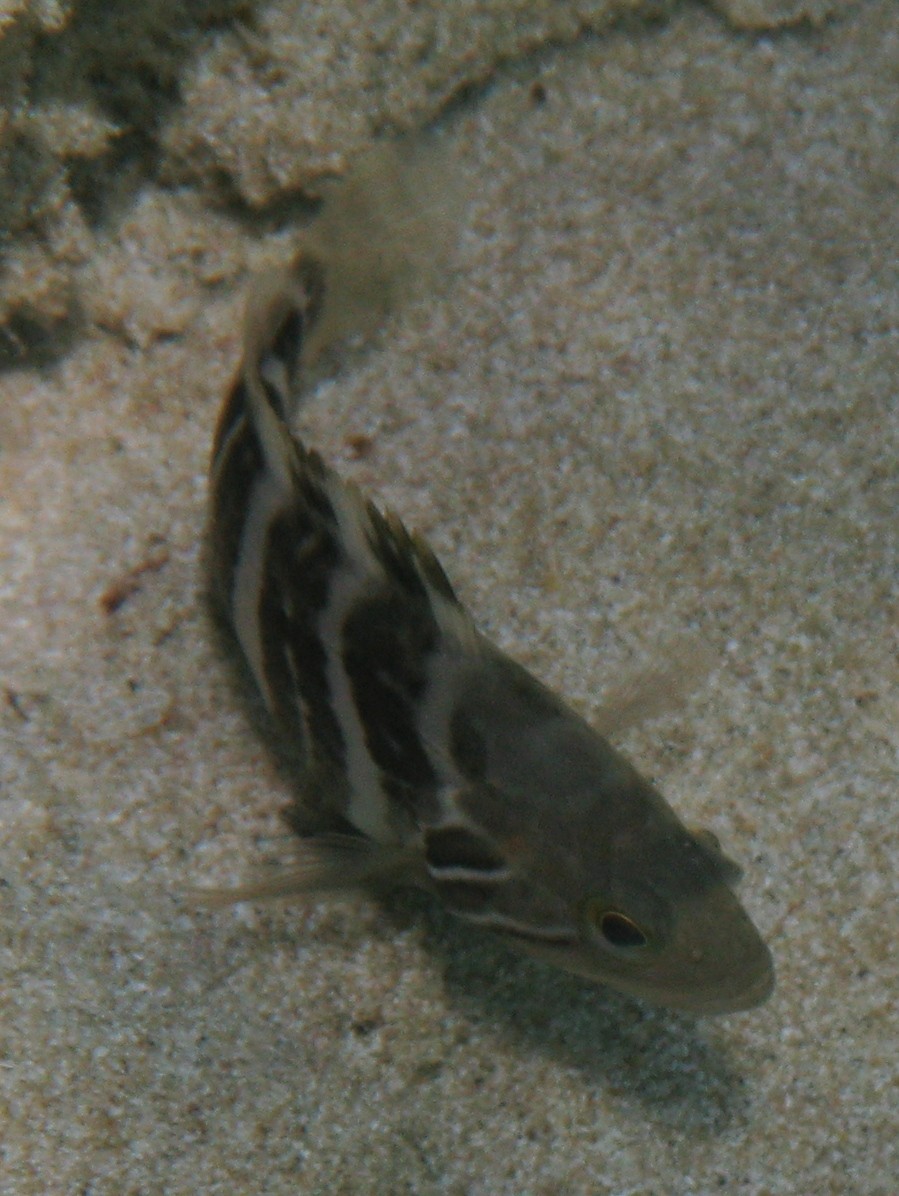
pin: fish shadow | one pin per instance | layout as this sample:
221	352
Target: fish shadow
667	1064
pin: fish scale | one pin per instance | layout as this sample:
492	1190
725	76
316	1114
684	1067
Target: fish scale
445	764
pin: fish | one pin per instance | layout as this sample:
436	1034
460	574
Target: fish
427	756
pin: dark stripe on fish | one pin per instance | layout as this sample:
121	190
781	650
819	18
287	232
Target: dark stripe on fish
312	483
302	554
310	661
386	643
239	468
279	676
299	546
451	848
232	412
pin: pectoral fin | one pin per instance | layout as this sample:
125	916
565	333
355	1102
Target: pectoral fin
326	864
646	695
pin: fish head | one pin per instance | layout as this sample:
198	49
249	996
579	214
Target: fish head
610	886
569	852
653	912
675	932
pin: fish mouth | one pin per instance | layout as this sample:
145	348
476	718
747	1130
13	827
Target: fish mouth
729	982
727	997
724	994
734	968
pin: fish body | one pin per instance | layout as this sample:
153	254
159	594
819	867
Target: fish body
429	757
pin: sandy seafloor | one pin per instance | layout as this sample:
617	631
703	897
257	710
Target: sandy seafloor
655	405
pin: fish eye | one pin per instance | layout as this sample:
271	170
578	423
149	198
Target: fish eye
616	928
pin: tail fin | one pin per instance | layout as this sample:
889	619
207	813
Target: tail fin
282	314
384	231
381	231
387	232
